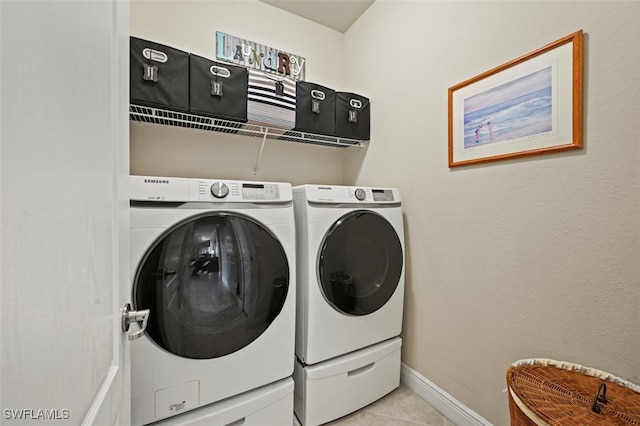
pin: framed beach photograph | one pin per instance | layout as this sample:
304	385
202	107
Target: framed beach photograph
528	106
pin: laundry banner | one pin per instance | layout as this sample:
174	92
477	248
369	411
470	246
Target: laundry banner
258	56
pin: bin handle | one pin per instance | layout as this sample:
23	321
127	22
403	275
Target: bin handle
318	94
600	397
220	71
155	55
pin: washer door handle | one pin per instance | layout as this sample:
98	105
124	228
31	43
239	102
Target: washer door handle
129	316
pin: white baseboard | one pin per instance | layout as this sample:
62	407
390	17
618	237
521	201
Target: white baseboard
453	409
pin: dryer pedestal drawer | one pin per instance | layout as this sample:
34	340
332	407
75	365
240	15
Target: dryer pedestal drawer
342	385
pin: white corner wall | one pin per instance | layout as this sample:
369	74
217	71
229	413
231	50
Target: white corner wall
537	257
191	26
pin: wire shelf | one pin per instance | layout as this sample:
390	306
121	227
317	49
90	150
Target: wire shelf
180	119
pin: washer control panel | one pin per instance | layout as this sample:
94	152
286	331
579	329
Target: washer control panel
145	188
239	191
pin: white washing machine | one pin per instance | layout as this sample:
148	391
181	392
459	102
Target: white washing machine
350	251
214	262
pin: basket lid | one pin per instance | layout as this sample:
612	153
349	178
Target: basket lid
559	393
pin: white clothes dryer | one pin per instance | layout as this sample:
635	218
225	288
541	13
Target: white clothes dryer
350	269
350	293
214	262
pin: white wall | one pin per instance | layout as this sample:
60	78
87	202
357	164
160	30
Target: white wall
537	257
191	26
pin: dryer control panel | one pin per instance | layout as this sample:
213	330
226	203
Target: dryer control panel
169	189
332	194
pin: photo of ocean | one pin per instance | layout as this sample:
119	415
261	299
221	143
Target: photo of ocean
521	108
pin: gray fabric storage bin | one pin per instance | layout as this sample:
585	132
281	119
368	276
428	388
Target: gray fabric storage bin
159	75
352	116
315	108
217	89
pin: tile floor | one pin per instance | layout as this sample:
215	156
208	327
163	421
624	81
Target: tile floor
402	407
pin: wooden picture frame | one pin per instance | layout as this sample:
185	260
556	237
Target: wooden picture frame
528	106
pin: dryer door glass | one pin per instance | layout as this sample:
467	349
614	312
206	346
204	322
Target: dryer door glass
360	263
213	284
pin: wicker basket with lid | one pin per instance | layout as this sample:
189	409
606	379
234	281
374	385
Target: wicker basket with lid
545	392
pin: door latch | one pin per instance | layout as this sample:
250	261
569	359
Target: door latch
129	316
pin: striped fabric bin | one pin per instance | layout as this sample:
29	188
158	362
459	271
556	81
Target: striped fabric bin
271	101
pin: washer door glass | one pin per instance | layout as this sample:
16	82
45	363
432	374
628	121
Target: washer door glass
213	284
360	263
